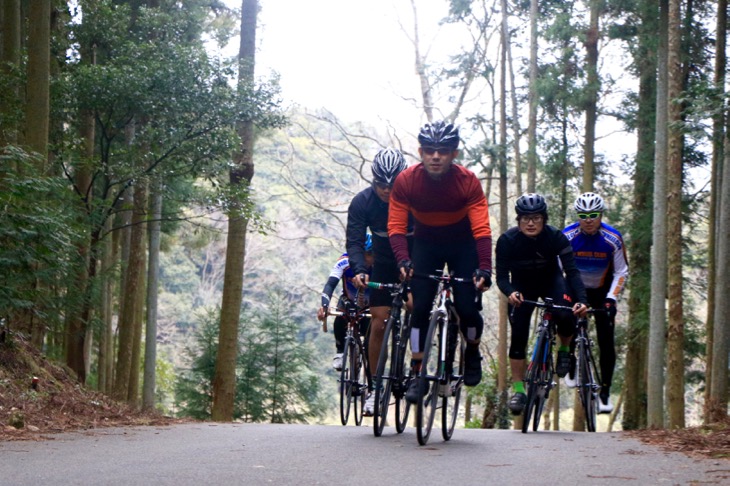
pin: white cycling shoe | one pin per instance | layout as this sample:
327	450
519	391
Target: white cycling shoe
606	407
337	362
369	408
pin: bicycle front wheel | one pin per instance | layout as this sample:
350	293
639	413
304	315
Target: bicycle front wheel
430	366
451	389
383	381
534	379
359	381
587	388
404	372
346	377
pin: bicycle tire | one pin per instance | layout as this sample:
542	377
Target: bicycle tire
360	383
345	383
587	390
428	402
383	382
533	406
454	384
404	374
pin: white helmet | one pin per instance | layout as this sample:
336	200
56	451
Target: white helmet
589	202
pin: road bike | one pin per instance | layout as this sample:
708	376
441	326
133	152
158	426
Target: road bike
392	376
588	379
355	375
539	374
442	368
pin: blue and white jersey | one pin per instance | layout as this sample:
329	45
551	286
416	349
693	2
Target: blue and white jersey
599	257
342	271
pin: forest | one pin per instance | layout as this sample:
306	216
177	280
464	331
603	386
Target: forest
168	219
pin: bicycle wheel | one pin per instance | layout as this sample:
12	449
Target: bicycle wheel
383	380
359	382
451	389
533	382
587	390
428	402
346	377
404	372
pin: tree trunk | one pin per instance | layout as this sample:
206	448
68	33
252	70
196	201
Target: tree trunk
532	126
133	279
717	408
657	327
675	335
592	89
503	383
10	57
421	68
639	245
224	382
718	136
153	269
39	67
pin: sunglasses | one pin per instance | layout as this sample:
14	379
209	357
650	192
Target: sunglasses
535	218
589	215
440	150
382	185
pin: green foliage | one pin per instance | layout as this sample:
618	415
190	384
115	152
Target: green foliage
275	381
194	387
38	232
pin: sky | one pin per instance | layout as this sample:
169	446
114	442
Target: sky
350	57
354	59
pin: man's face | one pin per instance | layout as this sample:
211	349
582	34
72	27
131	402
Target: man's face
531	224
437	160
590	223
383	190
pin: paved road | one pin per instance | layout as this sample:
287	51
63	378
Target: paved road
248	454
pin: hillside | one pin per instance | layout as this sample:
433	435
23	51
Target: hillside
55	403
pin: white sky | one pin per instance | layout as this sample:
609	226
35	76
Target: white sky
352	58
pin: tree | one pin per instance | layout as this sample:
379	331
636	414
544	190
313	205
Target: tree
675	334
657	326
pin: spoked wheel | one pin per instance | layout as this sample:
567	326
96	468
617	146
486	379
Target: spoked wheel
540	399
429	401
451	390
587	391
359	382
405	376
383	380
534	379
346	378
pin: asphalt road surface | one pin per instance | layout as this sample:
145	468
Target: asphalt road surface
258	454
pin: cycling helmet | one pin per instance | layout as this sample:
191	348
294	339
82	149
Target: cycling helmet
387	164
439	134
589	202
368	242
531	203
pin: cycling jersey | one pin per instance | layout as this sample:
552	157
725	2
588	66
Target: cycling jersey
367	210
600	256
342	271
530	260
449	210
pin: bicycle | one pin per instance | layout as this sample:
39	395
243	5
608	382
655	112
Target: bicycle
539	374
442	367
392	377
588	383
355	375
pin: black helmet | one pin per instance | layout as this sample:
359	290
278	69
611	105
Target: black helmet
531	203
439	134
387	164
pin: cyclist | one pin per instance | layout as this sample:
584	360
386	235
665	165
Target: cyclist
342	270
369	209
529	259
451	226
600	255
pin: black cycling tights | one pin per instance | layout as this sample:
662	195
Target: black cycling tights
429	258
340	330
555	288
